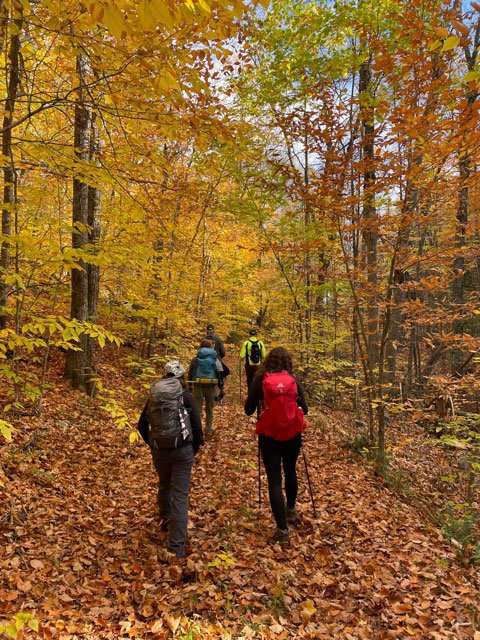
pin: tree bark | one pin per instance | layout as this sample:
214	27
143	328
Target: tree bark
458	290
397	331
9	175
464	171
459	265
307	257
370	232
76	360
93	270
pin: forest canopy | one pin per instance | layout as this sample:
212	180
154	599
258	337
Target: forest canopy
305	167
302	169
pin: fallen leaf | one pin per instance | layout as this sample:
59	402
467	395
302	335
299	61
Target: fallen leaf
36	564
24	586
276	628
64	597
307	610
157	626
173	623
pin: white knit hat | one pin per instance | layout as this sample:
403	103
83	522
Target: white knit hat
174	368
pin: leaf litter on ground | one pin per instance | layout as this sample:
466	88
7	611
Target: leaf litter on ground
82	551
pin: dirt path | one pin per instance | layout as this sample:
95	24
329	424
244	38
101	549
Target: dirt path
79	546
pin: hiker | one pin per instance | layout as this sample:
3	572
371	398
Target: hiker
206	375
217	342
170	424
282	408
219	348
254	352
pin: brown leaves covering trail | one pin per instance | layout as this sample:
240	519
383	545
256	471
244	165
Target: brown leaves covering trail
80	546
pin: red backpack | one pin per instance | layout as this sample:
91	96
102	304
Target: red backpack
281	417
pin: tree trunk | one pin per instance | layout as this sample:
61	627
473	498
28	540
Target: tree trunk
76	360
93	271
459	267
370	233
9	175
370	239
464	170
397	336
307	259
458	292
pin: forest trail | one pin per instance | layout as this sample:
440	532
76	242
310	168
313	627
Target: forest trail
80	547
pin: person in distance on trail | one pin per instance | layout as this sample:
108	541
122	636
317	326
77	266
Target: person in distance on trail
220	349
217	342
281	400
206	375
253	352
170	424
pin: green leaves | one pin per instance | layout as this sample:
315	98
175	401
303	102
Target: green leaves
451	43
204	6
456	443
115	411
20	621
6	430
472	76
113	20
222	560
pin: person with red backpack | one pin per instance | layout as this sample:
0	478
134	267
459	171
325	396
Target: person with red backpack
282	405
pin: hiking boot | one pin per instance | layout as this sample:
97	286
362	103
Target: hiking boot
164	524
181	570
292	516
280	536
165	556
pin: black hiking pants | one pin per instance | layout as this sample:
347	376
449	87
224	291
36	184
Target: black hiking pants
174	468
275	455
250	371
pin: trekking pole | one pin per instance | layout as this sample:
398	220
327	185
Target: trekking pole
259	480
309	483
240	379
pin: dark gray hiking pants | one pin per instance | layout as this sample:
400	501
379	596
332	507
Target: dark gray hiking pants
207	393
174	468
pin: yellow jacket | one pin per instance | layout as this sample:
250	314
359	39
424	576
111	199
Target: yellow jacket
247	348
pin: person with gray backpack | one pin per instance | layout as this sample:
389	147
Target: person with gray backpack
170	424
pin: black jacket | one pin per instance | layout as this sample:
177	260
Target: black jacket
255	396
195	421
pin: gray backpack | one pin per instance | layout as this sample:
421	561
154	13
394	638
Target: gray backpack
169	420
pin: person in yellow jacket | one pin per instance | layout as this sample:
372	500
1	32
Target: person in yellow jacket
253	352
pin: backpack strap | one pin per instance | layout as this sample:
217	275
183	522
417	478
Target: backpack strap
250	342
185	425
